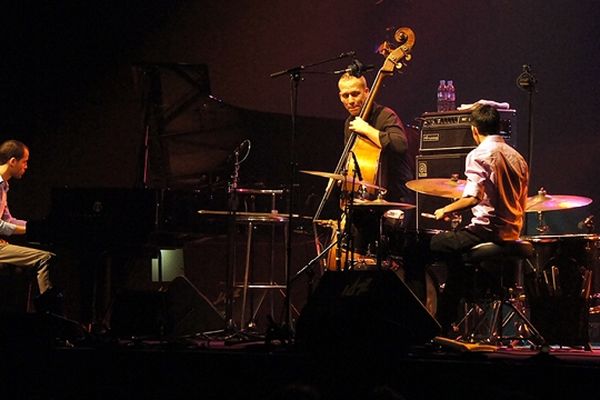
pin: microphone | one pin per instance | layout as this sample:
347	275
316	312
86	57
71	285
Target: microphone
356	69
347	54
245	143
356	167
526	81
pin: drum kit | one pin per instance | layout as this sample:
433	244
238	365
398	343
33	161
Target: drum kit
577	255
583	250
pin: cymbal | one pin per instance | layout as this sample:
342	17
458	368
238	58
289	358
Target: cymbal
340	177
260	191
441	187
545	202
383	203
254	216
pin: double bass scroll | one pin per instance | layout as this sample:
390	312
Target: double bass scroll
365	150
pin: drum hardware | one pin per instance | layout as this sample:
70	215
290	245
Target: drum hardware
350	187
587	223
499	316
541	227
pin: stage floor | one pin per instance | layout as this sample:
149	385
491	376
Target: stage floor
210	368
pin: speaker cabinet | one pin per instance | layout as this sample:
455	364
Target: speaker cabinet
180	310
438	166
368	310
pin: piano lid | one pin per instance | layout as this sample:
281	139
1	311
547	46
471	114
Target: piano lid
190	132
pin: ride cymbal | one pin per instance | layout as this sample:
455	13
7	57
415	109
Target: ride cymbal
545	202
441	187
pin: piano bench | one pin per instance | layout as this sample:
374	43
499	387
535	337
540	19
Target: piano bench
17	288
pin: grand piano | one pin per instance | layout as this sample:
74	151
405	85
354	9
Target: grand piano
185	165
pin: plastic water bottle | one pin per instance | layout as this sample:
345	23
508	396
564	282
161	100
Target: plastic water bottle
441	96
450	96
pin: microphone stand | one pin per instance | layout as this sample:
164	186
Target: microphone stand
231	228
295	77
231	331
527	81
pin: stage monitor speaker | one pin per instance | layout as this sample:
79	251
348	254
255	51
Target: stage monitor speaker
368	311
438	166
177	311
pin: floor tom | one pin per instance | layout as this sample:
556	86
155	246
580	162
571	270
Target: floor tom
563	285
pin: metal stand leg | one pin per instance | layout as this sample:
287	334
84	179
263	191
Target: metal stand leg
246	274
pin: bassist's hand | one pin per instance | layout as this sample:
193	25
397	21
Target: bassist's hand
363	128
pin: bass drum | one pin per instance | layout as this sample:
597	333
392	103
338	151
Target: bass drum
564	287
410	258
422	279
425	289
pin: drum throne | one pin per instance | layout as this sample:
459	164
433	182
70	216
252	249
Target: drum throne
494	311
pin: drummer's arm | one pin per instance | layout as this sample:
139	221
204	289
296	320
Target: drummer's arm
461	204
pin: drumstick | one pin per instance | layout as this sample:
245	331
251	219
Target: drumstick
427	215
555	283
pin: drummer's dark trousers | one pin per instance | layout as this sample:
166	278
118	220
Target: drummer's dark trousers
450	246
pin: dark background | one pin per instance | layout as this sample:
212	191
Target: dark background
67	84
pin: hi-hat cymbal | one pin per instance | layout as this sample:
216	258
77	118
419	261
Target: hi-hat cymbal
441	187
545	202
383	203
340	177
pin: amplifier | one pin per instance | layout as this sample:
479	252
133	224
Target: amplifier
438	166
451	130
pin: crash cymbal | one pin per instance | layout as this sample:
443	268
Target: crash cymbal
441	187
340	177
545	202
383	203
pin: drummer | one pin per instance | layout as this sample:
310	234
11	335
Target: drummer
495	191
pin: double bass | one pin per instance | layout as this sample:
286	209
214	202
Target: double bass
366	152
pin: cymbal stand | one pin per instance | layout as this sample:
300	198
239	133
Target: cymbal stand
339	235
541	224
349	213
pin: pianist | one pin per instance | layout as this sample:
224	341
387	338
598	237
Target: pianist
14	156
